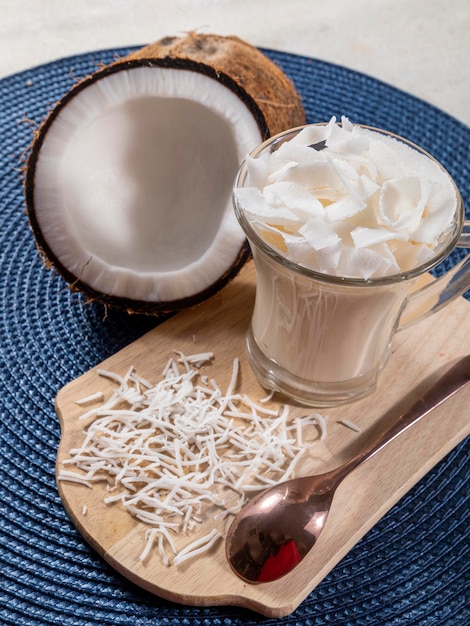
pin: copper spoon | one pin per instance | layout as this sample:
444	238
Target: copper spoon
278	527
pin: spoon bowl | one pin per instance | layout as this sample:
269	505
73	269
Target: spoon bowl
277	528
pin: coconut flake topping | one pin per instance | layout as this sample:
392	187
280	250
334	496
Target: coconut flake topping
366	205
182	452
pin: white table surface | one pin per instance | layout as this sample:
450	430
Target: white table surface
420	46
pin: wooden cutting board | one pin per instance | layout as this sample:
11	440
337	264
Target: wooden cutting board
219	325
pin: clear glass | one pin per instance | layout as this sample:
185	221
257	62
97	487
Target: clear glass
323	340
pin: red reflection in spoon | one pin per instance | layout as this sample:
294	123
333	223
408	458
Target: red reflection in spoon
281	563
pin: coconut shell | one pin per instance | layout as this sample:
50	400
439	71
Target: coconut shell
253	71
259	83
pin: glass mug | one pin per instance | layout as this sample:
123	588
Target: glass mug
323	340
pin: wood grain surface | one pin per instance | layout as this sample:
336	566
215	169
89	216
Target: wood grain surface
219	325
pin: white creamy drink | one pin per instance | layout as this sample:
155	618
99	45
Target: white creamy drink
341	218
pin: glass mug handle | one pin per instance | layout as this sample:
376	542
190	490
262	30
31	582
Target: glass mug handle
438	293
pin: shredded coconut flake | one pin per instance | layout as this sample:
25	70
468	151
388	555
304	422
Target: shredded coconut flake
198	547
181	452
91	398
350	425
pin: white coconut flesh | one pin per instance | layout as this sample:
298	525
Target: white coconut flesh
133	181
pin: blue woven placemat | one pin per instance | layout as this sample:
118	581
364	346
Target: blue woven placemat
410	569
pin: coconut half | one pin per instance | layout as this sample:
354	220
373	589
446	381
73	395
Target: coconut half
129	179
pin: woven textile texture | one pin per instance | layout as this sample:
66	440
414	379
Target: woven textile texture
410	569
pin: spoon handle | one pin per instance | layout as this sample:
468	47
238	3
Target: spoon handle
445	386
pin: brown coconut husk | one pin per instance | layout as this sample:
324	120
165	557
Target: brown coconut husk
253	71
